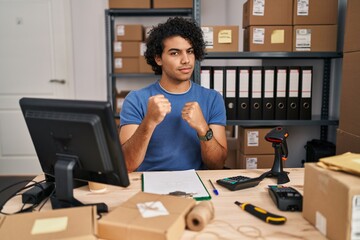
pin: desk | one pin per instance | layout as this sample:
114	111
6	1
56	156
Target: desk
226	212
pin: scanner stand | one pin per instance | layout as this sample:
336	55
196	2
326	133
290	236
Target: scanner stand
277	168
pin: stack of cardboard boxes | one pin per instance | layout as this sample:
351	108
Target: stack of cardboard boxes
315	25
290	25
348	133
129	49
267	25
255	152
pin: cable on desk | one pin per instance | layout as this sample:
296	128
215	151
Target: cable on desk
18	193
240	232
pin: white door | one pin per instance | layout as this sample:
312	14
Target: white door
35	61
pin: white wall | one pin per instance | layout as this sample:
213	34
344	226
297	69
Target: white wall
88	31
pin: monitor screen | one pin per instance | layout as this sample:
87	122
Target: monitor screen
75	139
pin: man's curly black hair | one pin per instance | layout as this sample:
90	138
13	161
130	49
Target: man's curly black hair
176	26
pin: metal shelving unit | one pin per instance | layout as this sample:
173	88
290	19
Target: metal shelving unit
323	120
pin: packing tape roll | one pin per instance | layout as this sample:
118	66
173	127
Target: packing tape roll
200	216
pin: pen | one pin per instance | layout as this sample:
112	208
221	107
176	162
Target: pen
262	214
214	189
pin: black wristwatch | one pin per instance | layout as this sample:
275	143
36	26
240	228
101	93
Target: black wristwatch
208	135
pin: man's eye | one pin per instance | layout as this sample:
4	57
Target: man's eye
191	51
174	53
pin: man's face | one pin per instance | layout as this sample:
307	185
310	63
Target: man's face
177	60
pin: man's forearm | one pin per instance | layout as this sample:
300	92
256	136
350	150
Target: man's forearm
134	149
213	154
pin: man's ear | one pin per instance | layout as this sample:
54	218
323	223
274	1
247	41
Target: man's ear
158	60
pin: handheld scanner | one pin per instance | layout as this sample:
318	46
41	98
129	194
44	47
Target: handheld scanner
278	135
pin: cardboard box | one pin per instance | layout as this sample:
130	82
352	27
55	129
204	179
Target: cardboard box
315	12
129	32
172	3
120	97
127	222
56	224
255	161
268	39
347	142
315	38
352	26
221	38
126	49
350	101
126	65
252	141
233	146
129	3
331	202
144	67
273	12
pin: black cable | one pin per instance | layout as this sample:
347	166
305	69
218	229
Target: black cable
29	209
17	183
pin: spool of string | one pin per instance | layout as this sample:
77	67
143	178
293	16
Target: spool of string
200	215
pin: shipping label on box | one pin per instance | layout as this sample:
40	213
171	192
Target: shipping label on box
208	33
258	8
259	36
302	8
303	40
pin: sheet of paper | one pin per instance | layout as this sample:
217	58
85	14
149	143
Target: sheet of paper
170	181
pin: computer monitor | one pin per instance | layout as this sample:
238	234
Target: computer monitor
75	140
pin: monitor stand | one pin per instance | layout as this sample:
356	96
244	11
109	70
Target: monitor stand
64	185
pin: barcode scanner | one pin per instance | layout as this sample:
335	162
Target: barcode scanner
277	136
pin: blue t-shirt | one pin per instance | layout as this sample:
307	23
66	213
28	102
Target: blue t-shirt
174	145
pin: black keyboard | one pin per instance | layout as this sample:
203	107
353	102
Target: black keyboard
239	182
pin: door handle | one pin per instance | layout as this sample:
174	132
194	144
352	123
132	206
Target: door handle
61	81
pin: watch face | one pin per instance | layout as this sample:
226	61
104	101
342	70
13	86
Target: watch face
209	134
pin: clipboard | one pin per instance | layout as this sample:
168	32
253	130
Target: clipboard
165	182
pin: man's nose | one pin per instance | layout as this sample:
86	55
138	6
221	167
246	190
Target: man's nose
185	58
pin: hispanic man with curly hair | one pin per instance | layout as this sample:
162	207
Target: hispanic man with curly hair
174	123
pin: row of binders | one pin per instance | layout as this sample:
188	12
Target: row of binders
261	92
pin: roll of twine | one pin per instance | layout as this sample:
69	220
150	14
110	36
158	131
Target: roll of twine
200	215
